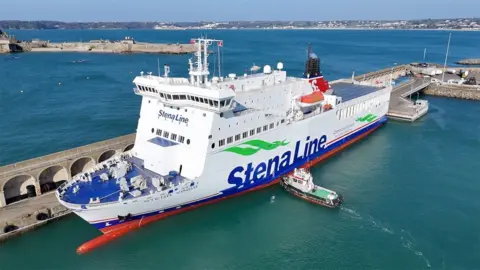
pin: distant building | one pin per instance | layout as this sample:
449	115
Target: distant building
128	40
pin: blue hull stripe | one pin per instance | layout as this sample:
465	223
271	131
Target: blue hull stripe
266	180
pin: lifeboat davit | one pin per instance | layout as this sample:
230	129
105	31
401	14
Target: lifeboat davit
313	98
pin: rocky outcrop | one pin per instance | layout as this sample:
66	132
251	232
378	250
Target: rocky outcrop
469	62
454	91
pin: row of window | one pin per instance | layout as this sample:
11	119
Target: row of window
357	108
171	136
246	134
169	97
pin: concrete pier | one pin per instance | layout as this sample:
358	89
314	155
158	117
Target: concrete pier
403	108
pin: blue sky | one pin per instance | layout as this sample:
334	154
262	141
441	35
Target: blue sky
196	10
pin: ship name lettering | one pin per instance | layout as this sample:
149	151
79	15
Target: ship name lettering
174	117
278	165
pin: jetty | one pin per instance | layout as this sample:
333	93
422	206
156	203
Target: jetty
27	197
127	45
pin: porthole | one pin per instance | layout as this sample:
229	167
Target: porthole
221	114
153	130
213	145
188	141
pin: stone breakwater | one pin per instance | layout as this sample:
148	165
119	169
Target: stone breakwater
469	61
454	91
110	47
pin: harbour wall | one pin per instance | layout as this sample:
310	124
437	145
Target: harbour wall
107	47
27	187
454	91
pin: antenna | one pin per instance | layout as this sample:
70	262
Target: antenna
158	66
446	56
199	69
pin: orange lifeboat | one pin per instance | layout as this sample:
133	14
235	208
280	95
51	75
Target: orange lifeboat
312	98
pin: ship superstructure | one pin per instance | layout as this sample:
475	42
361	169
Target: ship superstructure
204	138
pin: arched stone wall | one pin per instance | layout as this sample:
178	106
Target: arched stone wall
81	164
50	178
129	147
15	189
106	155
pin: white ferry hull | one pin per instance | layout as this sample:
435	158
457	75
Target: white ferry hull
307	142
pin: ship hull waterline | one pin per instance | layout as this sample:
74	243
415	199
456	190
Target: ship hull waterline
119	230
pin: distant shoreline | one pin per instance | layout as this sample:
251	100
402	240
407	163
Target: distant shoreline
239	29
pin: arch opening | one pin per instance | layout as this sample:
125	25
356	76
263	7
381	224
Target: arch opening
81	165
106	155
52	177
129	147
19	188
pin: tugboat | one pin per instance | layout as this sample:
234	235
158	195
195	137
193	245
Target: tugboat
300	184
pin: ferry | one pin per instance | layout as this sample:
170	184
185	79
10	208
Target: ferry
300	184
208	137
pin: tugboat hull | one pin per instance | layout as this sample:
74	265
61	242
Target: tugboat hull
309	197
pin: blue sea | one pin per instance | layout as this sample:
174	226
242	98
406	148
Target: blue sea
411	189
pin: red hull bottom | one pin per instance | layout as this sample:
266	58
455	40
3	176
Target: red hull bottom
120	230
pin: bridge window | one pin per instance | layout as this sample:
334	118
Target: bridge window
181	139
221	143
272	125
229	139
165	134
237	137
183	97
173	137
252	132
265	128
159	132
222	103
259	130
245	134
215	103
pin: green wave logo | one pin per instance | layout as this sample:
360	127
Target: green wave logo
367	118
251	147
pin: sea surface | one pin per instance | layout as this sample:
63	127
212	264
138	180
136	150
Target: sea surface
411	189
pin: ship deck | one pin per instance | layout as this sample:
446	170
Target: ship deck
349	91
108	191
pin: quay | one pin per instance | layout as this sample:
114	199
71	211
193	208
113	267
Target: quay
27	188
27	198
